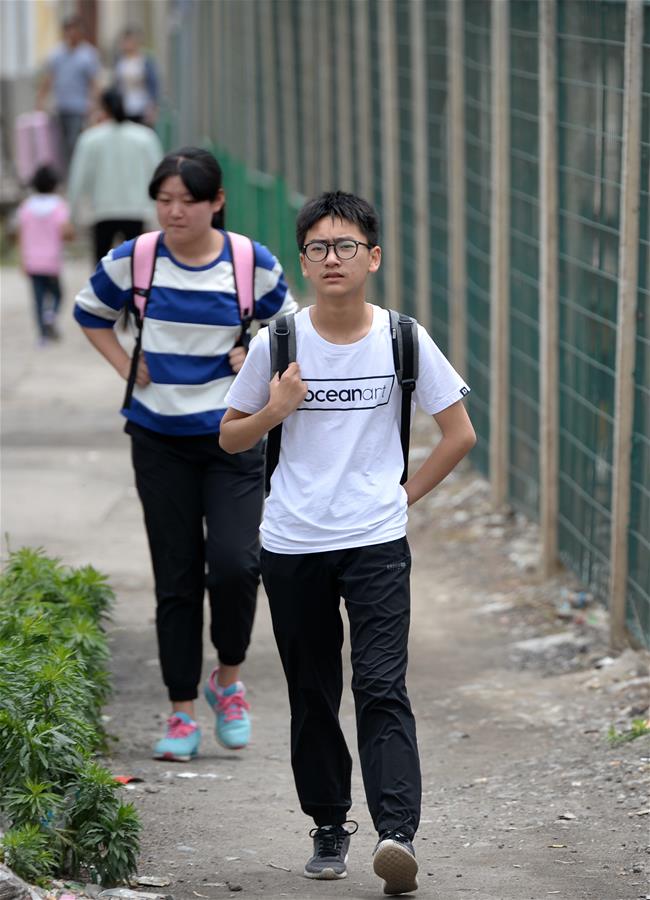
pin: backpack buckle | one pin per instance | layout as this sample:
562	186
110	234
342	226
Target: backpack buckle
408	385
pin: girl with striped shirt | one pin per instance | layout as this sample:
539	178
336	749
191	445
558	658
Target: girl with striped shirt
202	506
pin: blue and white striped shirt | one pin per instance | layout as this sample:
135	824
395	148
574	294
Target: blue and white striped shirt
191	324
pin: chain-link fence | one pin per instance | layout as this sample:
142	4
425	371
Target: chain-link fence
299	97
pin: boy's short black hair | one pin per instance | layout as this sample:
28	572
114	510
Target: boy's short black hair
45	180
338	205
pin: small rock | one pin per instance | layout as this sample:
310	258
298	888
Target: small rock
14	888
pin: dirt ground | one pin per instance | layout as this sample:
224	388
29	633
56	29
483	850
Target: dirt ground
524	796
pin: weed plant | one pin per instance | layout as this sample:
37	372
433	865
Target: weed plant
59	808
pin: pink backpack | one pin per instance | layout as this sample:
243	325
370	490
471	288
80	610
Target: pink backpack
143	264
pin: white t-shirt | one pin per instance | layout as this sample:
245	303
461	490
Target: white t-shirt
336	484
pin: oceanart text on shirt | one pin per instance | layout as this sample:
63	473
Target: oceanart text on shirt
325	394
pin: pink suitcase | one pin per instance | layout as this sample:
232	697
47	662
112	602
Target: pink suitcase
36	144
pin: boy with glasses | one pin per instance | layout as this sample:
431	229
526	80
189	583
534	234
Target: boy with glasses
334	526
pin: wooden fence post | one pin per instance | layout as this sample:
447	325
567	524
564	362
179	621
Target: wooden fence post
628	275
548	289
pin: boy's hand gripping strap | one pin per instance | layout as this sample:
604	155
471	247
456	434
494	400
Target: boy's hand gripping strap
143	264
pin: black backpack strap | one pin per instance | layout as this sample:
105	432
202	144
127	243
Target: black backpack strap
282	341
404	338
139	320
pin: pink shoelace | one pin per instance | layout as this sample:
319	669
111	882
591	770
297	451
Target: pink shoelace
232	706
177	728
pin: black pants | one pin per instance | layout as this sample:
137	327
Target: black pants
304	593
106	231
47	299
202	510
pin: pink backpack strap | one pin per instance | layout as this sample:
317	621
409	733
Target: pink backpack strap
243	263
143	263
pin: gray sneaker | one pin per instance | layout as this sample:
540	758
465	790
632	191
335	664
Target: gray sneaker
394	861
331	843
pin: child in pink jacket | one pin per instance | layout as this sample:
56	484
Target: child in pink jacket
43	224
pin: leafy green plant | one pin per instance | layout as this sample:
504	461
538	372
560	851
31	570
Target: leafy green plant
639	728
62	808
108	844
33	801
26	851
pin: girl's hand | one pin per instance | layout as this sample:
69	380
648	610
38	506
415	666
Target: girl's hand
236	358
288	392
142	376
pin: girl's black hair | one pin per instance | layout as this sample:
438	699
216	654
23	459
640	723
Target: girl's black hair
200	173
338	205
112	103
45	180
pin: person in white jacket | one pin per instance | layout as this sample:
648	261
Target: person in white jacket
111	169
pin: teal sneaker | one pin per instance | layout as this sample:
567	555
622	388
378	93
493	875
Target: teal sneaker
181	741
233	726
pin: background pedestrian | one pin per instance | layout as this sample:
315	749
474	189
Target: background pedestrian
43	222
71	73
111	168
136	78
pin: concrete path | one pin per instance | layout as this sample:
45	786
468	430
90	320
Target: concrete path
524	799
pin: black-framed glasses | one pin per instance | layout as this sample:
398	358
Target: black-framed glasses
344	248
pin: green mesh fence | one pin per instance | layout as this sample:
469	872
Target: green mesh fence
591	55
263	207
376	134
638	586
299	176
523	475
356	73
437	141
590	47
408	301
478	188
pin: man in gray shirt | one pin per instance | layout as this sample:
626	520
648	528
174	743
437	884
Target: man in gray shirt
71	75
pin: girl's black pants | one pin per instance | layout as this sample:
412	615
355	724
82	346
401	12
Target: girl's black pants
202	511
304	593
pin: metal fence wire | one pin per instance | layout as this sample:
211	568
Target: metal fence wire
300	97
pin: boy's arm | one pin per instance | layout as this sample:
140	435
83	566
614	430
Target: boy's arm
458	438
240	431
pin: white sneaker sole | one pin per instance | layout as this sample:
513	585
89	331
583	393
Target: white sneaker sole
176	757
396	866
325	875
